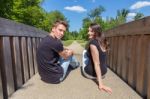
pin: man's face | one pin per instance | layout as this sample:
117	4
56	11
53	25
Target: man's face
59	31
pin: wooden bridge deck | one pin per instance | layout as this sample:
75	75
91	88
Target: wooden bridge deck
75	86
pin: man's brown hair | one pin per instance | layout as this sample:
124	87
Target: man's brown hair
60	22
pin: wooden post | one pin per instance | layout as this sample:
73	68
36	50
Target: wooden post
17	62
7	70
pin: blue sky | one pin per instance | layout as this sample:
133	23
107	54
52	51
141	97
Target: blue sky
76	10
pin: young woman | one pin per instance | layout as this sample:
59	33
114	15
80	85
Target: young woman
94	57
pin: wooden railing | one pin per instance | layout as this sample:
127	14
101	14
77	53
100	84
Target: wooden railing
18	44
129	55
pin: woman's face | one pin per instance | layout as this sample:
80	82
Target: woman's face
91	34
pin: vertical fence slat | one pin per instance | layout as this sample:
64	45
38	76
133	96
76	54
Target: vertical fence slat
119	58
111	52
1	85
24	59
34	55
148	68
124	66
1	88
37	42
30	56
141	65
147	64
17	62
108	54
115	53
131	60
7	71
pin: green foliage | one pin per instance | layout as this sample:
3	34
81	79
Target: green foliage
121	16
96	12
93	16
50	18
74	35
29	12
6	8
138	16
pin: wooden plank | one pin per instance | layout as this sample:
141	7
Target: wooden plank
115	54
141	66
124	65
132	28
111	52
24	59
119	56
34	55
17	62
1	59
108	53
19	29
148	68
37	42
131	61
1	85
30	56
7	70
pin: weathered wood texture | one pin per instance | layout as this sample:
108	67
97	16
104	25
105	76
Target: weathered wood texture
18	44
130	54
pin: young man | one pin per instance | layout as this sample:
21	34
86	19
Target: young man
52	58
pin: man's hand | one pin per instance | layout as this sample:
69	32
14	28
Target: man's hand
69	52
66	53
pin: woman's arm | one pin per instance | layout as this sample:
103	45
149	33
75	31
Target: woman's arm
96	60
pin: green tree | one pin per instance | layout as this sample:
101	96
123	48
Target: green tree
138	16
28	12
83	31
50	18
93	16
121	16
96	12
6	8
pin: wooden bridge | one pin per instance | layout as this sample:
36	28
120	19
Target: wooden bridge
129	65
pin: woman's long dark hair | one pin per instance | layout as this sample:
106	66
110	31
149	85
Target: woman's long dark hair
99	35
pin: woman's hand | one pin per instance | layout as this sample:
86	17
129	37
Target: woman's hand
105	88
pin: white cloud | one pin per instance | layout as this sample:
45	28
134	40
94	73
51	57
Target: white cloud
75	8
140	4
131	14
130	17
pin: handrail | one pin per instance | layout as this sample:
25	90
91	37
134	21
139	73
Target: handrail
11	28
